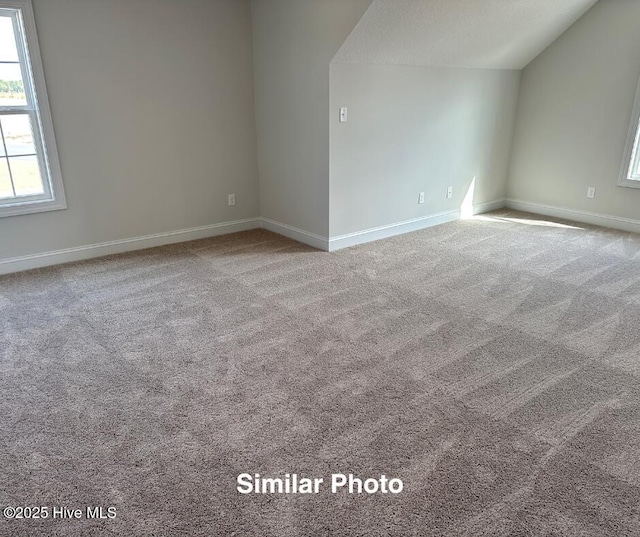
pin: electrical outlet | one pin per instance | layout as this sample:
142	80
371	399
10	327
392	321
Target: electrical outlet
232	200
449	192
421	198
591	192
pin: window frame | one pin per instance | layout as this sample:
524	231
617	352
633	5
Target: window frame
42	123
631	158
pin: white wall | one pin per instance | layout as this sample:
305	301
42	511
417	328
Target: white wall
294	42
153	106
152	103
574	112
416	129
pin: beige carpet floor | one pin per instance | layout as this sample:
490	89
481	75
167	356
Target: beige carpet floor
493	365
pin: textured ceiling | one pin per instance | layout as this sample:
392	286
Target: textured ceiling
485	34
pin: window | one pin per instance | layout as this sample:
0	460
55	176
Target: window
30	178
630	170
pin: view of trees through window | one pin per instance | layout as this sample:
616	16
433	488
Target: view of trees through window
11	89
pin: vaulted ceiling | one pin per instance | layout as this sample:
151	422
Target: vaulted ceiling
484	34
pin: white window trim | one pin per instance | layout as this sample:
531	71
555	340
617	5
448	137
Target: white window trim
57	200
632	147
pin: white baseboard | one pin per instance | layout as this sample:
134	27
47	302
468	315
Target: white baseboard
391	230
496	205
68	255
400	228
81	253
321	243
594	219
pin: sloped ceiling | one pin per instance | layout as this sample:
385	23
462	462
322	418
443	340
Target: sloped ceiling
483	34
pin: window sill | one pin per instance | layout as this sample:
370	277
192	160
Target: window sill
32	207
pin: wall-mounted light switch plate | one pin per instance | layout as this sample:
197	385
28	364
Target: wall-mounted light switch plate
344	115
